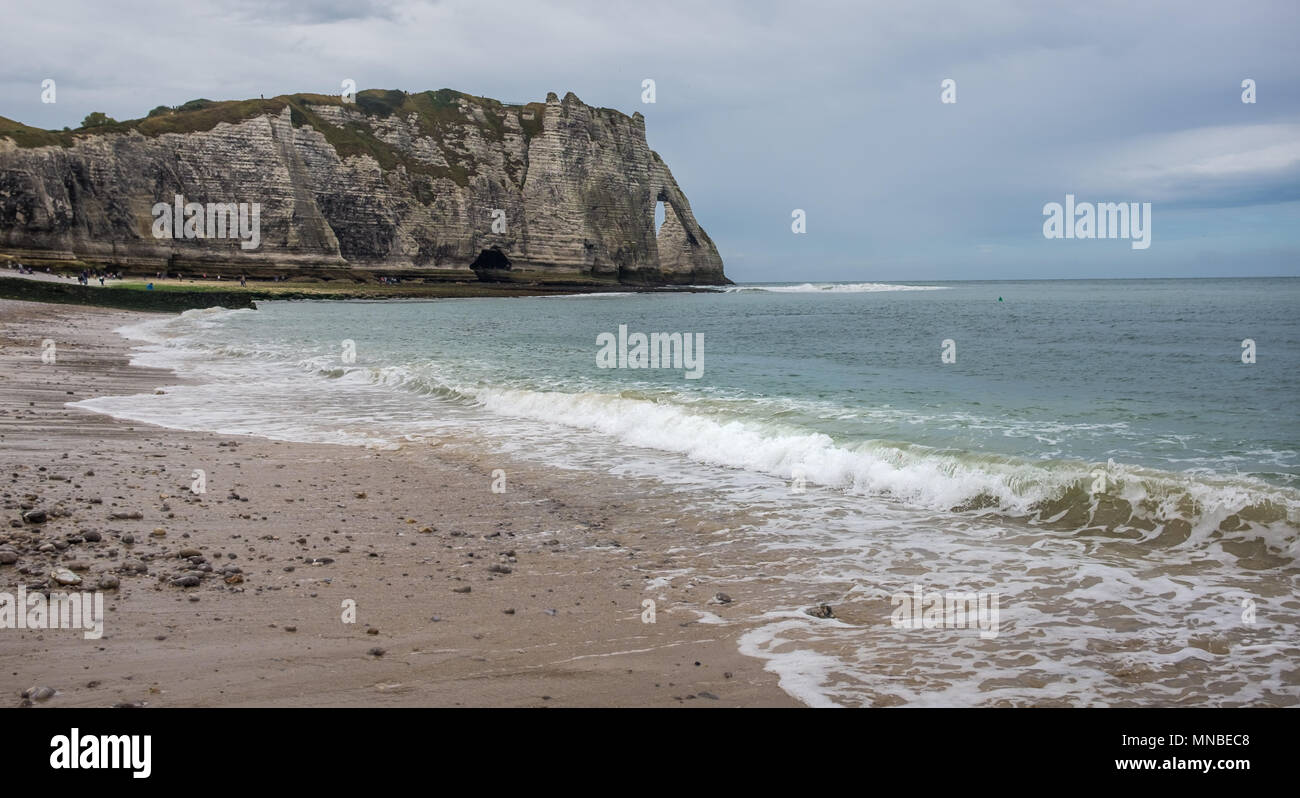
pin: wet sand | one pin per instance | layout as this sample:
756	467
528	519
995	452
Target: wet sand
555	567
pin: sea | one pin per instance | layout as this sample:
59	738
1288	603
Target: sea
1113	464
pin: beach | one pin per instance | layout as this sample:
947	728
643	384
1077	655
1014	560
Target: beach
461	501
463	596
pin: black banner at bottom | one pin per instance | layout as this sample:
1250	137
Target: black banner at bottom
317	747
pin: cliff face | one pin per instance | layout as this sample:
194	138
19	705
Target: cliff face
395	181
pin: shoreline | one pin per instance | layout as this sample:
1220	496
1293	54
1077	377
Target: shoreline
555	566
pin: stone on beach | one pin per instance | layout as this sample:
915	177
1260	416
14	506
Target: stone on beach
65	577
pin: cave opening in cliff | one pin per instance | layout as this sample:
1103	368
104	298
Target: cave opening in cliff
492	258
660	215
490	265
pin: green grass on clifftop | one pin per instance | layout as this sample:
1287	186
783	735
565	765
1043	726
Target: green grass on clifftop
436	114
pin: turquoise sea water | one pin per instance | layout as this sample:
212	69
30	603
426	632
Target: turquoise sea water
1115	406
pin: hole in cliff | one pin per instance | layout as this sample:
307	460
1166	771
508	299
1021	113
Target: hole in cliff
660	215
491	259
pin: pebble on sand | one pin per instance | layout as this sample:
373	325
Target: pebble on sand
65	577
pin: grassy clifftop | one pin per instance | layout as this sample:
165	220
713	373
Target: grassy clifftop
434	113
432	109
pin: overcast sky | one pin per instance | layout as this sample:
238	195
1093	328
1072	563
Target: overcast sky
765	107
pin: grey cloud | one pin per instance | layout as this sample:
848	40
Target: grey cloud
765	107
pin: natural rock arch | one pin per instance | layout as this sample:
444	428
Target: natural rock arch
677	248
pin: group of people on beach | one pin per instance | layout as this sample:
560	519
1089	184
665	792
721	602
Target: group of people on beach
84	277
87	275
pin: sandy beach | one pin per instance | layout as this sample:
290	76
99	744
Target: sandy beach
463	596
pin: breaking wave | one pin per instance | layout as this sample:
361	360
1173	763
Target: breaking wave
1138	503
